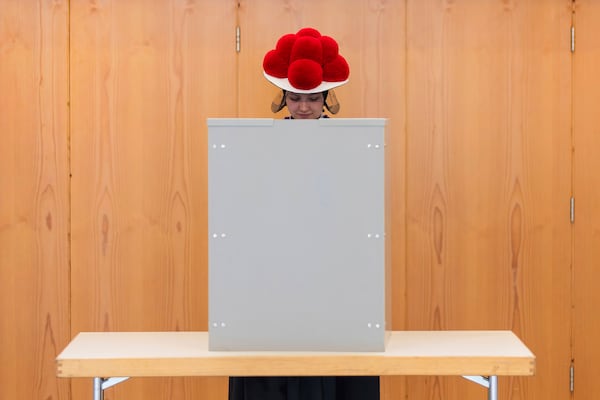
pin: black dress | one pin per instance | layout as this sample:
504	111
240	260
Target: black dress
304	388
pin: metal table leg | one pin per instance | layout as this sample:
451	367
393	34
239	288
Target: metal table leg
493	388
100	384
490	382
98	393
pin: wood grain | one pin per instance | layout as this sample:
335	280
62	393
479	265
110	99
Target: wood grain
479	97
586	192
34	205
488	178
144	77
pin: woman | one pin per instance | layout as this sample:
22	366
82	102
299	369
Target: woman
306	66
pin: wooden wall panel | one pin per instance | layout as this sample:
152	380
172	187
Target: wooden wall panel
478	94
488	181
34	204
586	191
144	78
371	36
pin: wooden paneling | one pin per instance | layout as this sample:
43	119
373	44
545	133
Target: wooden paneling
586	191
371	36
34	204
144	78
488	181
478	95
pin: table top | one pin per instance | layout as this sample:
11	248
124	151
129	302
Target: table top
112	354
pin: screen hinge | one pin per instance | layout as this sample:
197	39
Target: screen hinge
238	46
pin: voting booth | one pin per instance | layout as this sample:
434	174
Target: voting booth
297	235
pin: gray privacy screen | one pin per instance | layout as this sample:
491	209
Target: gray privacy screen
296	234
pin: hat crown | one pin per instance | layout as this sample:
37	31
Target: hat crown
306	61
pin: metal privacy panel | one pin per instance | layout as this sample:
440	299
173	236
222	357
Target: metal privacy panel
296	234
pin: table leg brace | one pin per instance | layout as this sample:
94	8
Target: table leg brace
490	382
100	384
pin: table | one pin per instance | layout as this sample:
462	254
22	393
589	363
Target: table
112	357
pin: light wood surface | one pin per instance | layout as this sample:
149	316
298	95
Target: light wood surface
488	181
34	197
586	191
144	76
482	109
107	354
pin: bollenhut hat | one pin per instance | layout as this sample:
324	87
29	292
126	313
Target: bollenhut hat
306	62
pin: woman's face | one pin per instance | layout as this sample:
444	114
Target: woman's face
304	106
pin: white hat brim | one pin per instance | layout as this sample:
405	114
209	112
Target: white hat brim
284	84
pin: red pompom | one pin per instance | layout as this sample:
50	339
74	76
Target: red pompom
330	49
337	70
309	32
284	45
305	74
307	47
274	65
